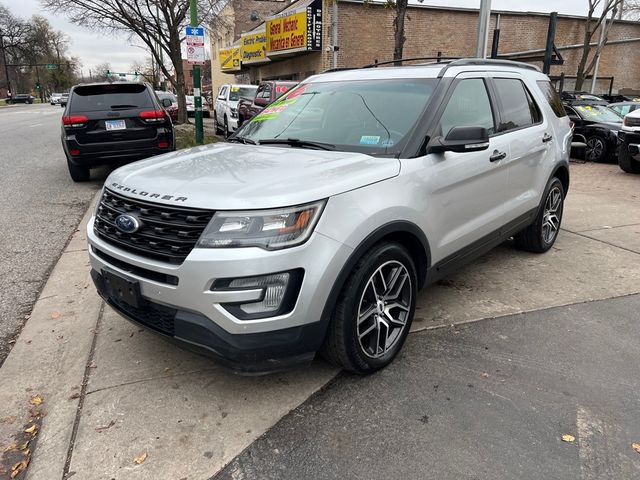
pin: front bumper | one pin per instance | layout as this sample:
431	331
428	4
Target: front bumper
630	141
200	320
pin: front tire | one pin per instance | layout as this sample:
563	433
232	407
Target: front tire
596	149
625	161
543	232
374	312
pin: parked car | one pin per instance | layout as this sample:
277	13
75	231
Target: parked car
225	110
314	228
20	98
597	126
54	99
622	108
113	123
169	102
582	97
267	92
64	98
191	106
629	135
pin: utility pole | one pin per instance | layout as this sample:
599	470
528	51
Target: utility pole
483	28
197	99
4	61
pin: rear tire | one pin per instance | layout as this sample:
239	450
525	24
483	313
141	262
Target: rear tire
216	127
374	312
543	232
78	173
625	161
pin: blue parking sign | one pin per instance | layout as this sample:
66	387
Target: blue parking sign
195	31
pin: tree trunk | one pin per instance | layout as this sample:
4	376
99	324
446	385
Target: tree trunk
398	23
586	50
176	60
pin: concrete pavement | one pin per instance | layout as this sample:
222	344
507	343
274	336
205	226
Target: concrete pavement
114	394
40	209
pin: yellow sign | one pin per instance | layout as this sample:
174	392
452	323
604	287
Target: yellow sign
229	59
287	33
253	47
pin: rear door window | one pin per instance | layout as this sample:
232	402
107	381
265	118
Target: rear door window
92	98
519	110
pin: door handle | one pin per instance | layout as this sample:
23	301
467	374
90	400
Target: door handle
546	138
497	156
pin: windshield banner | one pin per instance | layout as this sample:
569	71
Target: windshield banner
295	30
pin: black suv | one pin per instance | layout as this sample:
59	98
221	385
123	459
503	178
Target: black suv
597	126
113	123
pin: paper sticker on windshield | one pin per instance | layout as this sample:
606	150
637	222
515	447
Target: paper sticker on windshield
369	140
235	89
388	143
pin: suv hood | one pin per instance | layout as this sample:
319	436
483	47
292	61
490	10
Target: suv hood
233	176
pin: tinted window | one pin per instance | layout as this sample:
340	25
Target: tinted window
469	106
552	97
622	109
92	98
518	108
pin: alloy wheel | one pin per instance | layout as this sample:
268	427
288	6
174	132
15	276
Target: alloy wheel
552	215
384	309
595	148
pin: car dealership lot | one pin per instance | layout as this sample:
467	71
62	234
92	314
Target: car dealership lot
191	417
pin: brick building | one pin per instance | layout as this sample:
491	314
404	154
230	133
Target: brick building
365	34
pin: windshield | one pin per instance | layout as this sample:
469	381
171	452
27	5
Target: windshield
237	93
598	113
370	116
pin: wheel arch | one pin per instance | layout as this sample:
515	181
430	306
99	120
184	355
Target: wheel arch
562	173
403	232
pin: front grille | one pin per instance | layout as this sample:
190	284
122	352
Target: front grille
166	233
152	315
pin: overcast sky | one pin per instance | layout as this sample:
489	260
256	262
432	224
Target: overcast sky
94	48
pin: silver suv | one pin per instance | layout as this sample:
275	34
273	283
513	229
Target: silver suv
314	227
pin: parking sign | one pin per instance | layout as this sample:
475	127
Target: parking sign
195	45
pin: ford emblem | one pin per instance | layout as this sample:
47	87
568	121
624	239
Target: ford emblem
127	223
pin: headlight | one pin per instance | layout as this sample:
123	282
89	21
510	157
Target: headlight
234	113
268	229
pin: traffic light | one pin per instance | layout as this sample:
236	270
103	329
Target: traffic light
38	86
108	73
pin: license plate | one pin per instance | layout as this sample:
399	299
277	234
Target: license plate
122	290
115	125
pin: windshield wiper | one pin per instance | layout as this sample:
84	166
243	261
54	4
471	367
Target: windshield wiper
295	142
245	140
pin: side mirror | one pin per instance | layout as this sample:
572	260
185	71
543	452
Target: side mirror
263	102
461	140
166	102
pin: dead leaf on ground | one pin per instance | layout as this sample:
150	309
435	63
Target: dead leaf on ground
140	458
568	438
11	447
93	365
102	428
74	396
32	429
636	447
36	400
55	315
485	375
19	467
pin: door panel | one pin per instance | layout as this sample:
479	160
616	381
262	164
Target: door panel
467	191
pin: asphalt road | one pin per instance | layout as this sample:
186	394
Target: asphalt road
40	208
489	400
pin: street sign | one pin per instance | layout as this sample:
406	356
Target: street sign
51	66
195	45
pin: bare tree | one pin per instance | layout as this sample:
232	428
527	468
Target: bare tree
158	24
593	22
631	10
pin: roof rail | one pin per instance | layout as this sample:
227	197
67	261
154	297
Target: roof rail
467	62
400	60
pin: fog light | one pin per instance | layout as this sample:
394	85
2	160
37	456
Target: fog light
274	287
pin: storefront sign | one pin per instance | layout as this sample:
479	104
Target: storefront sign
229	59
295	30
253	47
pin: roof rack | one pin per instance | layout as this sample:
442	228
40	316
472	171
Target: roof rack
467	62
438	59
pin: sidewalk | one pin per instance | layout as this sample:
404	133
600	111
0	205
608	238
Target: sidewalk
118	402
